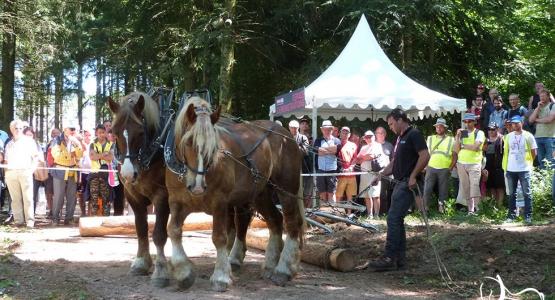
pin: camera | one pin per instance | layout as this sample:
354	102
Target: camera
464	133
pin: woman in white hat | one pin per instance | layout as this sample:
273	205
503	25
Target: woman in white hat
369	157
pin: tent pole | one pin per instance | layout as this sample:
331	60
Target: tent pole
314	135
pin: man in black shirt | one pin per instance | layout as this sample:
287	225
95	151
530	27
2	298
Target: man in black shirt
410	157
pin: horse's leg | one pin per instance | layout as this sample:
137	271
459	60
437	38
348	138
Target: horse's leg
142	263
274	220
242	217
161	276
293	213
221	278
182	267
231	232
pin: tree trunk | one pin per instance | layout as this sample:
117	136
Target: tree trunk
228	58
58	96
8	64
80	93
98	97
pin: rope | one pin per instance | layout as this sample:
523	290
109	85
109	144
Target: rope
4	166
504	292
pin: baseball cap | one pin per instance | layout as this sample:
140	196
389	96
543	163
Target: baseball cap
516	119
492	125
469	117
369	133
345	128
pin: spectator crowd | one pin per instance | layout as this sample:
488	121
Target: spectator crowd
72	167
492	155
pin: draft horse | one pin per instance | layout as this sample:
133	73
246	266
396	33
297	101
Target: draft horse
235	165
136	123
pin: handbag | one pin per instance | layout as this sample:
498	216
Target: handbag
41	173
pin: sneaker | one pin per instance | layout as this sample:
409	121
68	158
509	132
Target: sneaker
9	220
441	208
509	220
384	263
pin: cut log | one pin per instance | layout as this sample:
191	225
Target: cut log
318	254
125	225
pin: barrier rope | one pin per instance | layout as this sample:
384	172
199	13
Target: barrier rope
7	166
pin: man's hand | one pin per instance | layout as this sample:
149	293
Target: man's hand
458	135
412	183
376	179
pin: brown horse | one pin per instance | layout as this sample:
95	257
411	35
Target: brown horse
235	165
136	117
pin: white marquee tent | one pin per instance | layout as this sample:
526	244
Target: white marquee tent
363	83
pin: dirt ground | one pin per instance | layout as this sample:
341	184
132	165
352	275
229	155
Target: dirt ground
56	263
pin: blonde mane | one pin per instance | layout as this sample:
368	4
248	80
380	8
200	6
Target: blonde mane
151	112
205	135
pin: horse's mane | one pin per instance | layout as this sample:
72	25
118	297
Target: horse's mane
151	111
205	135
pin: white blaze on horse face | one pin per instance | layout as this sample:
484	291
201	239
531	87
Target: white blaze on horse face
127	170
199	188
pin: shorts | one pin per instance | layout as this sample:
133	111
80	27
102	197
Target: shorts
372	191
469	180
326	184
346	185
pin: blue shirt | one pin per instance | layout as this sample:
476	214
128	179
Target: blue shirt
327	162
499	117
3	136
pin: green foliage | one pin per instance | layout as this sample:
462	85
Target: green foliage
488	209
542	201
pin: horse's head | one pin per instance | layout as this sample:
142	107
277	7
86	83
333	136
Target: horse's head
197	141
135	117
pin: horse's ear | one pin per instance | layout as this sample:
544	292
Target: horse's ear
215	116
139	106
190	113
113	105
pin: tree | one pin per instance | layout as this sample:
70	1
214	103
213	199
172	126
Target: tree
8	62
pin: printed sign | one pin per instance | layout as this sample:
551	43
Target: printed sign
291	101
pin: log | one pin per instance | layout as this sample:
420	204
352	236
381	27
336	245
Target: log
125	225
318	254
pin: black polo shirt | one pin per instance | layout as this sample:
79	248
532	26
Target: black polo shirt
406	152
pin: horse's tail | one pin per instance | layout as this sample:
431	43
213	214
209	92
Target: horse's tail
300	203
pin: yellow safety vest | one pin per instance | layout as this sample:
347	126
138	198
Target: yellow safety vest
95	164
441	152
468	156
528	157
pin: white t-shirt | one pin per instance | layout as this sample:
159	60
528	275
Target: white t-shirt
517	152
22	154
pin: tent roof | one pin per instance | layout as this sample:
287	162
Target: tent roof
363	83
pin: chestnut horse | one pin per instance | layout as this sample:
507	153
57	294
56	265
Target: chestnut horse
137	117
230	166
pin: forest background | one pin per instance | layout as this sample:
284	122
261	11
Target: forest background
247	52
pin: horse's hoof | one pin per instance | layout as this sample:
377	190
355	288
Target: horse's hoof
279	278
219	286
138	271
186	282
140	267
267	273
160	282
235	266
